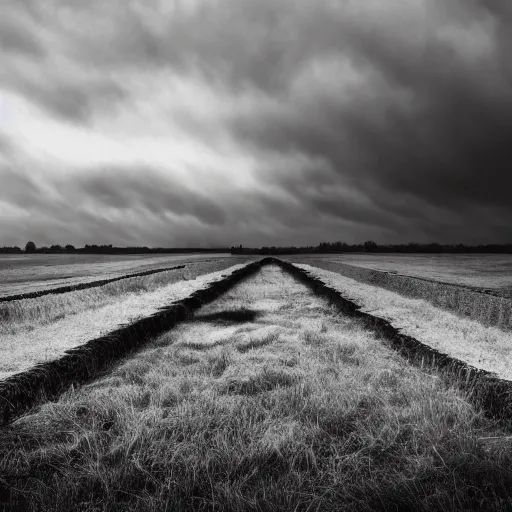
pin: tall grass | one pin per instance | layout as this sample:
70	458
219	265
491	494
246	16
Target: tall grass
477	345
31	313
315	415
488	309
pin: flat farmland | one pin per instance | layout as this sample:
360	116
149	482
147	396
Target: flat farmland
473	286
478	271
269	398
41	329
21	274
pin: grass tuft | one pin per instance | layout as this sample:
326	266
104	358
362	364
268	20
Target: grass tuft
267	380
255	343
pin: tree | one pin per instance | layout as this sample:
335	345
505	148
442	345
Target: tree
30	247
70	248
370	246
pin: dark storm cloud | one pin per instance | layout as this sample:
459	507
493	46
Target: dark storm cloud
73	101
32	46
126	189
364	119
16	38
432	123
117	189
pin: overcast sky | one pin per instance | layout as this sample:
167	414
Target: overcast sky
261	122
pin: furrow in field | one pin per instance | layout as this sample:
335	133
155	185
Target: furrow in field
34	273
491	272
487	308
269	398
84	286
391	319
29	342
21	316
48	379
487	348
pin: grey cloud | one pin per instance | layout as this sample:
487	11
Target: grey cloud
121	189
417	146
77	101
72	99
142	207
142	187
30	46
446	145
14	37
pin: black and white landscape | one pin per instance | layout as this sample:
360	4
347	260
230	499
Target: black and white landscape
255	255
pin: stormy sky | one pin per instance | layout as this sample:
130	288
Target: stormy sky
268	122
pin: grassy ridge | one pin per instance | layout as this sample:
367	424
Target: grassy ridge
84	286
488	309
48	380
268	400
494	395
19	315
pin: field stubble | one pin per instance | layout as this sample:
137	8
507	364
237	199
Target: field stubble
268	400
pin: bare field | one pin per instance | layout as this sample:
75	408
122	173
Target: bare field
28	273
268	399
38	330
478	271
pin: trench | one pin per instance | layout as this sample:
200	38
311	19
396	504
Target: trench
85	286
48	381
482	387
269	380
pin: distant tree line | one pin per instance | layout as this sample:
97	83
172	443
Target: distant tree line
323	248
109	249
372	247
31	248
10	250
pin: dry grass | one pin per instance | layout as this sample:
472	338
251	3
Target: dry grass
478	271
491	310
71	319
484	347
28	273
28	313
270	400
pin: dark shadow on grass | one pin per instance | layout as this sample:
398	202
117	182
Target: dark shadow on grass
229	316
